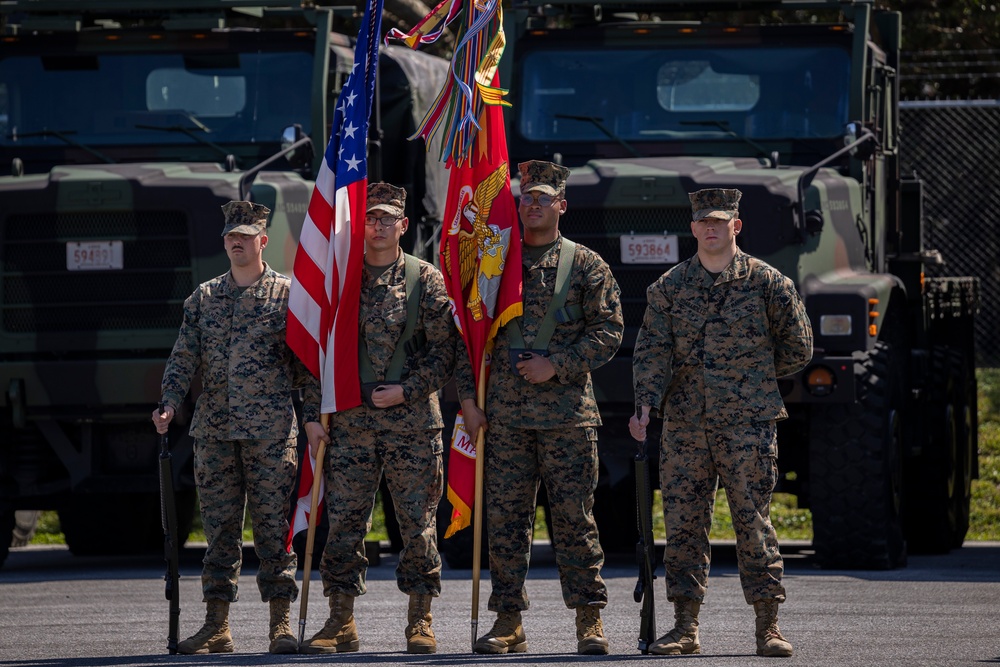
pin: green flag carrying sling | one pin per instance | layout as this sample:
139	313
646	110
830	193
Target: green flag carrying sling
407	344
557	312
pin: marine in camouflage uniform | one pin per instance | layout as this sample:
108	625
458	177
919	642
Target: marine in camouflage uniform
244	425
543	421
719	329
400	435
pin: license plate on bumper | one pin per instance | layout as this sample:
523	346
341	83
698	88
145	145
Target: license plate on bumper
94	255
649	249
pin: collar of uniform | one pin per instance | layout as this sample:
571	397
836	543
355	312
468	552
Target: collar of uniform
551	257
738	268
260	288
387	275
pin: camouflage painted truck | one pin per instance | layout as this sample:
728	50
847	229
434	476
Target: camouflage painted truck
126	125
796	104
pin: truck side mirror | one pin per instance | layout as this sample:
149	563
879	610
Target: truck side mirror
300	157
862	150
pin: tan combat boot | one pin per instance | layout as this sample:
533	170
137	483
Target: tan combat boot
770	643
683	639
419	636
282	639
590	639
214	636
340	634
506	636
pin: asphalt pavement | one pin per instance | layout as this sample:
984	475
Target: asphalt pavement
60	611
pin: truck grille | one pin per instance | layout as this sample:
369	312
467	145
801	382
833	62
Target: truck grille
600	229
40	294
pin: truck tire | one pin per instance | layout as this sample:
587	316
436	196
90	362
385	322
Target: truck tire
6	530
969	447
25	523
940	479
856	469
114	524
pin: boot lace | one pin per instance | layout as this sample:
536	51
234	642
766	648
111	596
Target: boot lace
422	627
504	626
590	622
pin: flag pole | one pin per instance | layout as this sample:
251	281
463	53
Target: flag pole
477	503
318	473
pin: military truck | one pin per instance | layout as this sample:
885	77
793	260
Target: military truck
126	126
796	104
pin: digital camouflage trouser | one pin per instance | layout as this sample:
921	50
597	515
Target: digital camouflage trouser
693	459
414	471
233	475
566	460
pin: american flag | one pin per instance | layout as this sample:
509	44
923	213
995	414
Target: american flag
326	278
322	327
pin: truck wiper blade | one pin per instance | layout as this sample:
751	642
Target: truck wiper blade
62	136
189	131
724	126
600	126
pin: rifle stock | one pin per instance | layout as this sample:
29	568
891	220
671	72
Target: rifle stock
168	517
645	551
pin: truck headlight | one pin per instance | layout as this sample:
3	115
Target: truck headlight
835	325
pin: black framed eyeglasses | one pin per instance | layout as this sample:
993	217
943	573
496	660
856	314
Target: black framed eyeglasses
384	221
543	200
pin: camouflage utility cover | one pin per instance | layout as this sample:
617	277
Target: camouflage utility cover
718	203
543	176
386	197
243	217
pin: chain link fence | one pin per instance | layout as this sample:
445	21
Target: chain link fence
954	147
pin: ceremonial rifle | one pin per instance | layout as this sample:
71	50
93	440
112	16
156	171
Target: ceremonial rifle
645	550
168	517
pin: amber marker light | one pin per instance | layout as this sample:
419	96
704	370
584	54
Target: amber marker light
820	381
687	31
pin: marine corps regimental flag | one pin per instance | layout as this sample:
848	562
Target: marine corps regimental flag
481	262
481	239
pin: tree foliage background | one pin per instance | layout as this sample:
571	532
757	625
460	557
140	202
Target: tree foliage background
951	48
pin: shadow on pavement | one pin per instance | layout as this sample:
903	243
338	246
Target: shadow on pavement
976	561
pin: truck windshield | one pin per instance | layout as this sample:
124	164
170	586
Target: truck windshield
692	94
152	98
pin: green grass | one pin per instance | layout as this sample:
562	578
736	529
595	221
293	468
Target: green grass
984	521
791	522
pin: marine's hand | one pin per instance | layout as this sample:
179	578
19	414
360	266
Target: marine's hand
474	418
162	422
638	423
315	433
535	368
388	395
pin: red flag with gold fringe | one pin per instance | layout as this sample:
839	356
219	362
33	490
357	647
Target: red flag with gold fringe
481	262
